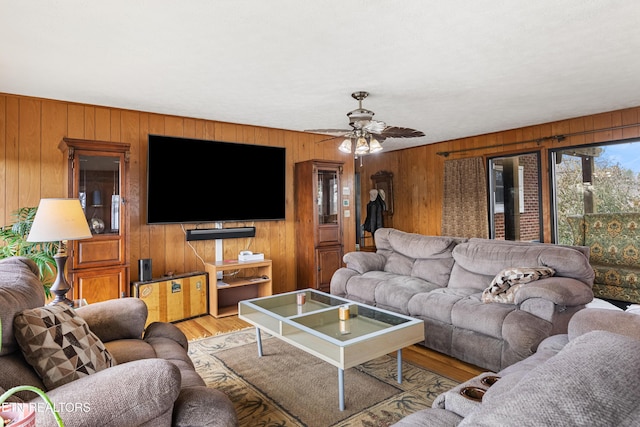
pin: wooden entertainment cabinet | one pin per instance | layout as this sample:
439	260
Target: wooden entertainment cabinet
240	280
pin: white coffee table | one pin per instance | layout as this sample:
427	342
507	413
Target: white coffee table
316	328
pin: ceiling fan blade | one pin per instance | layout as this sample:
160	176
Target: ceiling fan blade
331	138
336	132
400	132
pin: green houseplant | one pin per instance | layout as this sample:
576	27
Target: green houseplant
14	239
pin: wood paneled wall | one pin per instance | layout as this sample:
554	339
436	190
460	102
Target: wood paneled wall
32	167
418	172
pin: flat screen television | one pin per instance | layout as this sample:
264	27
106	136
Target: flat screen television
199	181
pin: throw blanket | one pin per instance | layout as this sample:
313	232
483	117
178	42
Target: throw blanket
504	286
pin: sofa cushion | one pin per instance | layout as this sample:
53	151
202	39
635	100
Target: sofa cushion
568	389
394	294
20	288
399	264
434	270
504	286
59	345
478	261
438	303
472	314
362	288
417	245
410	254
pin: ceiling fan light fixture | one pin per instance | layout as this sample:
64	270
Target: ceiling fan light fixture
361	146
345	147
374	145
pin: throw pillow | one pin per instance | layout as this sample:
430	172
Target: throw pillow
505	285
59	345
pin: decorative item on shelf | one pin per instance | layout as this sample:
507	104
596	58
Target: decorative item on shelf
59	220
96	199
115	212
83	200
115	203
97	224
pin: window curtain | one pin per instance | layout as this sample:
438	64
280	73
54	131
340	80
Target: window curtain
464	207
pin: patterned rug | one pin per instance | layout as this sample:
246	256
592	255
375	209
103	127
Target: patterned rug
288	387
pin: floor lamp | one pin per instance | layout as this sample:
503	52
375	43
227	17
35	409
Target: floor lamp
59	220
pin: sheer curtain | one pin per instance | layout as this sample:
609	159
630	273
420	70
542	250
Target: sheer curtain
464	207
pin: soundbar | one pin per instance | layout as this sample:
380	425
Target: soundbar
220	233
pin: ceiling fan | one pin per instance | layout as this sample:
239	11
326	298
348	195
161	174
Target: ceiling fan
366	134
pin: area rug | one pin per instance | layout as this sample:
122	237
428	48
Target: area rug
288	387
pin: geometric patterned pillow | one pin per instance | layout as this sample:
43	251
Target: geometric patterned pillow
505	285
59	345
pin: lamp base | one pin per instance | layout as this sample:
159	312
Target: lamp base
61	299
60	287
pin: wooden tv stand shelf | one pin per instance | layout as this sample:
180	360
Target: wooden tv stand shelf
240	280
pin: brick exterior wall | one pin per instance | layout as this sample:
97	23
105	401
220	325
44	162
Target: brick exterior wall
530	218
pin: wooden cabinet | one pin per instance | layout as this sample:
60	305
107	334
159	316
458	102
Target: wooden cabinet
173	298
318	222
240	280
98	268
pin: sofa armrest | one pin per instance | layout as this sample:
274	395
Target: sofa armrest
364	261
559	290
592	319
115	319
338	284
203	406
124	395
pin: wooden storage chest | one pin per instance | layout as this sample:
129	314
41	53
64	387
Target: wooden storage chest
174	298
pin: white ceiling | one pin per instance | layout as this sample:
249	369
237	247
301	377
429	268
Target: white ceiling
450	68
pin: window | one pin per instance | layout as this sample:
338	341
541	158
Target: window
594	179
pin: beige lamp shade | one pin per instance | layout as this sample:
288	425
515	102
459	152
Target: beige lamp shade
57	220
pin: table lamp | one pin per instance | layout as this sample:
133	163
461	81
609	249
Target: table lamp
59	220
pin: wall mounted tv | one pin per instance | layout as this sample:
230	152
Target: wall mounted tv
198	181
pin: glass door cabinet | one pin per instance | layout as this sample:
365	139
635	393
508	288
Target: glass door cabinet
98	268
318	222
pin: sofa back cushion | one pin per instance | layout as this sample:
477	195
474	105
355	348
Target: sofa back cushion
20	288
478	261
410	254
591	381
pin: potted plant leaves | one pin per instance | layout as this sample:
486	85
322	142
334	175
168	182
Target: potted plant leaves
14	237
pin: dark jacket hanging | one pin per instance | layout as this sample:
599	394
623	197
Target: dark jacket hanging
374	218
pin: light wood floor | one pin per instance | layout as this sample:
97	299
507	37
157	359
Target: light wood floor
206	326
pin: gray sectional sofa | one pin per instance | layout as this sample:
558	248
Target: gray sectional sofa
441	280
587	377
